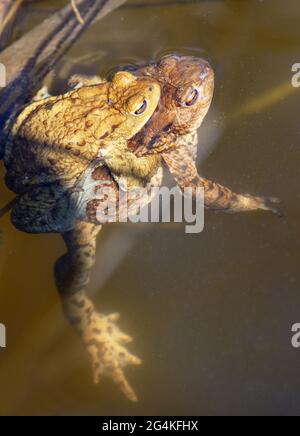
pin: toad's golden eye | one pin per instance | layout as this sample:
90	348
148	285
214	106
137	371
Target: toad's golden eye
192	98
140	110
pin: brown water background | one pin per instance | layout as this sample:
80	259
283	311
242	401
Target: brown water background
211	314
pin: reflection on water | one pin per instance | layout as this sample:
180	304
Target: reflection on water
211	313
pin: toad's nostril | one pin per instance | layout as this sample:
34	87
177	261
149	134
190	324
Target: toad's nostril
204	73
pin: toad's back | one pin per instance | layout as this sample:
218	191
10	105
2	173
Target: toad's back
55	138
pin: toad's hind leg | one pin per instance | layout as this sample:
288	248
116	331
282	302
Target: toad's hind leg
99	333
43	209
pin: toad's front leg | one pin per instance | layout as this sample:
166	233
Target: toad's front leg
216	197
99	333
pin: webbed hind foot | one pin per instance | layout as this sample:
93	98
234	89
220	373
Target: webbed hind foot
242	203
103	340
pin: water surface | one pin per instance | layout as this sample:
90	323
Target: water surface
211	314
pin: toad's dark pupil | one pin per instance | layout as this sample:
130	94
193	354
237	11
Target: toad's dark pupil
192	98
142	109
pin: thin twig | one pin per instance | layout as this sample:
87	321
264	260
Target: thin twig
162	3
77	13
10	15
139	5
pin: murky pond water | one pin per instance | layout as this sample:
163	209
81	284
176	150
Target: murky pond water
211	314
